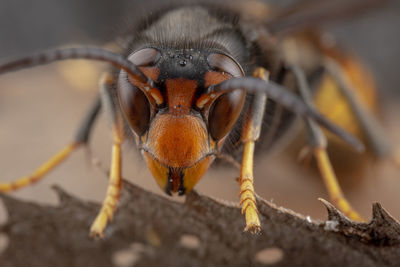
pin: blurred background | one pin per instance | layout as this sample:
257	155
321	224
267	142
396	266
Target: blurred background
40	109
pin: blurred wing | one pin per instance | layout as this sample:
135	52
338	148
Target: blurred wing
307	14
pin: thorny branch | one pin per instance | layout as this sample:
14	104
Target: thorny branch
154	229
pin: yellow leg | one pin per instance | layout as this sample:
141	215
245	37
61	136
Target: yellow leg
113	192
318	144
247	198
332	184
40	172
250	133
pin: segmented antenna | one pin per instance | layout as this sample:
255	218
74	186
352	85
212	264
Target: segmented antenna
290	101
91	53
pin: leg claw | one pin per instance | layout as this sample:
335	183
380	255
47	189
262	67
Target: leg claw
253	228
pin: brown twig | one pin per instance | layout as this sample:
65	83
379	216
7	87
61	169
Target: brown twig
154	231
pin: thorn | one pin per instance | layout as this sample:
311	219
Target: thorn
62	195
333	213
381	216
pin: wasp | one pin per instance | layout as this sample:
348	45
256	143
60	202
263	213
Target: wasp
196	82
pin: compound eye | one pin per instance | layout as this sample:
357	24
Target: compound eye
224	63
226	109
145	57
134	103
224	113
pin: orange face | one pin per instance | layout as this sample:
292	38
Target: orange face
177	151
177	148
174	136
